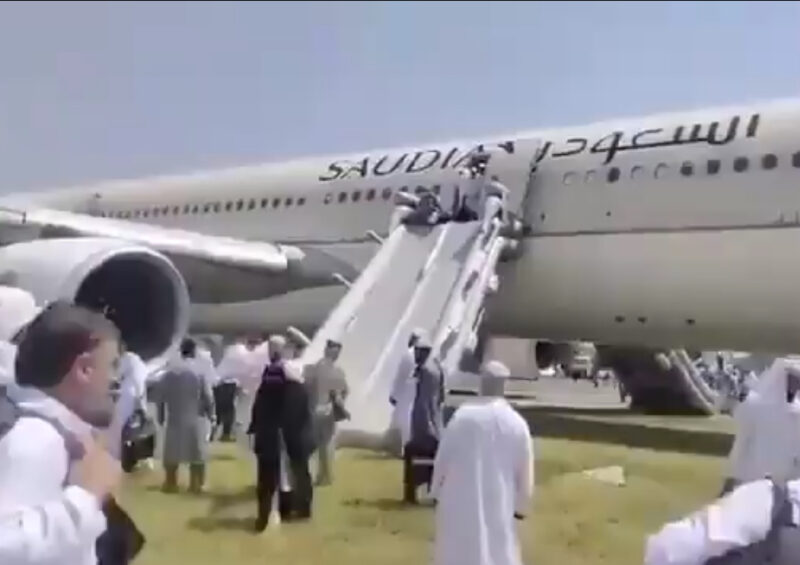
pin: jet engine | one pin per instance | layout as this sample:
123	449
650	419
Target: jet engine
139	289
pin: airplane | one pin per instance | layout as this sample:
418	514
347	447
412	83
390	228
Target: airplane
672	230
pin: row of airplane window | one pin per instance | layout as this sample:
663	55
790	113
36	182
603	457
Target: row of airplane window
768	162
240	205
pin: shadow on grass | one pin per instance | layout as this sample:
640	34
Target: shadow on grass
384	504
221	501
561	423
209	524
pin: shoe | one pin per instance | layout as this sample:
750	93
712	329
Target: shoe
261	525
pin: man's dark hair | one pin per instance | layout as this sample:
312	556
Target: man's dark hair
188	348
54	339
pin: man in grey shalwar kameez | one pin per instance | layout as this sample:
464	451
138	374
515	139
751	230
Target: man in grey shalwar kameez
187	397
427	420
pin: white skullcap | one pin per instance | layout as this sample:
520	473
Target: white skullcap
17	309
496	369
277	340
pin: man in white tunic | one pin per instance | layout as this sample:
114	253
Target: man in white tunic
767	441
132	398
402	395
483	479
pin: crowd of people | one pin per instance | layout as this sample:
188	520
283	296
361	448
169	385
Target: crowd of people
64	439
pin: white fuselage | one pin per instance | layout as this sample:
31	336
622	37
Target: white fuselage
666	230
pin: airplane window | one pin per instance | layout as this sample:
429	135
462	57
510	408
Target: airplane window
195	209
328	198
186	209
796	160
146	213
420	190
136	213
386	193
370	194
264	202
436	189
613	174
176	210
713	166
217	207
342	196
637	172
301	201
206	208
769	161
740	164
569	177
251	204
276	202
661	170
687	168
403	189
228	206
165	210
156	211
239	204
356	196
590	176
289	201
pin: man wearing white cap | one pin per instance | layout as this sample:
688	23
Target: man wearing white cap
483	479
402	394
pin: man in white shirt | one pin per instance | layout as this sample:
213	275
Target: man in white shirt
63	369
41	533
483	479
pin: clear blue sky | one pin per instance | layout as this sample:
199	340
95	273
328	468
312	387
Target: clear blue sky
106	90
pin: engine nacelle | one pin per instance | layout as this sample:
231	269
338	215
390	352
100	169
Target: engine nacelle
140	290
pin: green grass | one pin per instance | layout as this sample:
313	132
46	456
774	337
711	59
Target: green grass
574	520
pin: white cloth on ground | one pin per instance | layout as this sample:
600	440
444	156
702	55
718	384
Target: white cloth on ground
55	525
767	441
483	476
739	519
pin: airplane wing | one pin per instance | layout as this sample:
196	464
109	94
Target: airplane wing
21	224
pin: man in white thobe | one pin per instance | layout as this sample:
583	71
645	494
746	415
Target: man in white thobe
767	441
745	527
483	479
132	398
402	394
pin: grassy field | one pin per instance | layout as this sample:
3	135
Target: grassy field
360	519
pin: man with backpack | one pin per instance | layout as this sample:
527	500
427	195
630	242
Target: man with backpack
48	419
